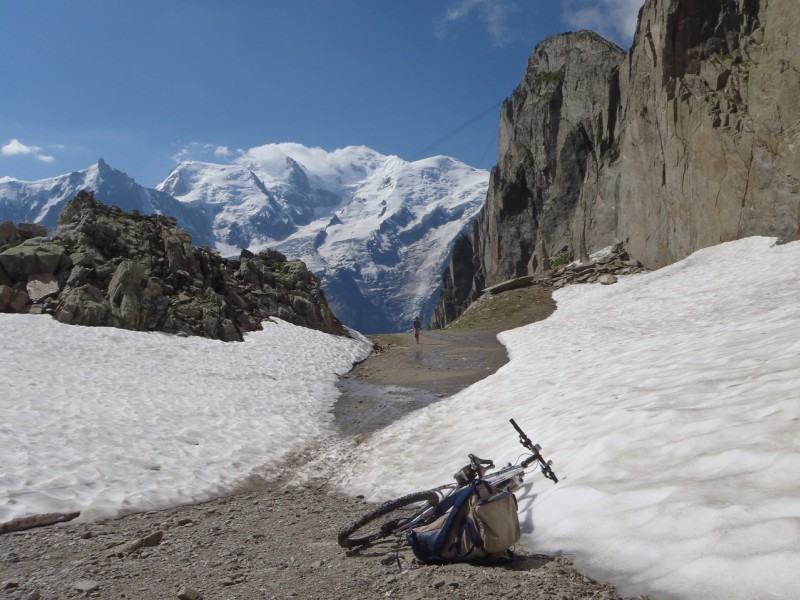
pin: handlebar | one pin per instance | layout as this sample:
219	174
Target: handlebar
534	449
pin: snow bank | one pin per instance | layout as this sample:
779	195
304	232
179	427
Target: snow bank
670	403
105	420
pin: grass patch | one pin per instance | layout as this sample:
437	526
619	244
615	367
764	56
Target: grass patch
382	341
507	310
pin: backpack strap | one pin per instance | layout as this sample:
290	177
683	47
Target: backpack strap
452	503
459	498
468	528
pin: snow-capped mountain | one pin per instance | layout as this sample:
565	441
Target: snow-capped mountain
376	229
41	201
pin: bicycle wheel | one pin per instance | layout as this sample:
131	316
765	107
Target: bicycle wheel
390	517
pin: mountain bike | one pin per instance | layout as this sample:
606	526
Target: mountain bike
397	516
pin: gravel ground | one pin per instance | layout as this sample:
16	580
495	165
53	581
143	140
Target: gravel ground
277	538
272	541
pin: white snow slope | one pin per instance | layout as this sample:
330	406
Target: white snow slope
670	403
106	420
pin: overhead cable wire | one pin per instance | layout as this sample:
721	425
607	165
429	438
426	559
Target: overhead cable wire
424	152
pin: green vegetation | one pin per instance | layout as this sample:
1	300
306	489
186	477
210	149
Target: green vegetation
382	341
507	310
561	259
550	77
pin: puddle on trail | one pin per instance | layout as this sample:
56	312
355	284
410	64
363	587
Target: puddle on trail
366	407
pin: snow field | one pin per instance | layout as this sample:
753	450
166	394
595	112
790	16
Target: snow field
106	421
670	403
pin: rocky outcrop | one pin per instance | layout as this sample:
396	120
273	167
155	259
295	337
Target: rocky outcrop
603	267
105	267
688	140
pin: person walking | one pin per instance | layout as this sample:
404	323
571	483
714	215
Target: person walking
417	326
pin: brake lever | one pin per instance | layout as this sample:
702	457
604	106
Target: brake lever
547	471
535	448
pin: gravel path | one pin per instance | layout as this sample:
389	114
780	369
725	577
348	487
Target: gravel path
270	542
277	538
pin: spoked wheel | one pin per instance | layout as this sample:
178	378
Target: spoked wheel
389	518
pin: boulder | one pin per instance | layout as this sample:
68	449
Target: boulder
41	286
19	302
4	278
7	294
8	233
125	293
33	256
85	305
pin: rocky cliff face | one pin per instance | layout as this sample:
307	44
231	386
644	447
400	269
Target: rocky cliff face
688	140
105	267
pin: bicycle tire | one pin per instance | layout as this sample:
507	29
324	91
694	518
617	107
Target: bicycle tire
406	508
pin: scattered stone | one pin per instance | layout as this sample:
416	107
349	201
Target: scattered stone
604	270
87	585
42	520
154	539
187	593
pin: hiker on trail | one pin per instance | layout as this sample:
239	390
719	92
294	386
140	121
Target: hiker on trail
417	326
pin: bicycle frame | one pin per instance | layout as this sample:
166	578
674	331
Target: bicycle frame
427	505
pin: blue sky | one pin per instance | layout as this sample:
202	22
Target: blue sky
145	84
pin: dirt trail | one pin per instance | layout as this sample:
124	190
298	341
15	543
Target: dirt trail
405	376
277	538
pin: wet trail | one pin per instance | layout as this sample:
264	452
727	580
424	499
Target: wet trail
406	376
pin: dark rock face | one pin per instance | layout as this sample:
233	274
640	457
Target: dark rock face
550	128
689	140
105	267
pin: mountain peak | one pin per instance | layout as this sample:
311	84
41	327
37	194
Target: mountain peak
376	229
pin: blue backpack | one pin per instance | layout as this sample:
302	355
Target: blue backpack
475	522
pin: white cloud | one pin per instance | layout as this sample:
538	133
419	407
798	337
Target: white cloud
16	148
495	15
615	19
201	151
